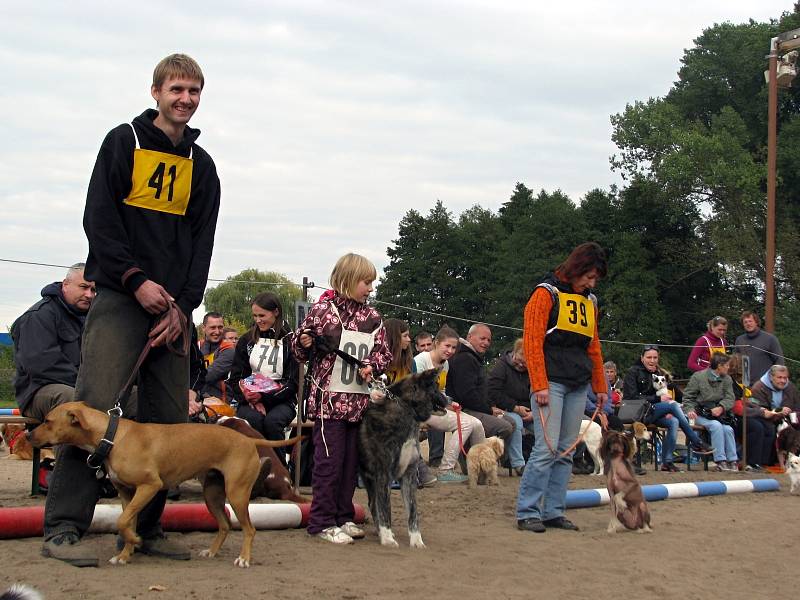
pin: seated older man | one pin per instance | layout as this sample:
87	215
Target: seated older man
467	383
47	344
773	398
776	392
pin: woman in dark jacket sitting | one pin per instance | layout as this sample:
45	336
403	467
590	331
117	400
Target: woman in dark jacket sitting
510	391
666	412
265	349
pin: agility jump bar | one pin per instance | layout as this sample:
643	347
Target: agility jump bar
9	412
669	491
29	521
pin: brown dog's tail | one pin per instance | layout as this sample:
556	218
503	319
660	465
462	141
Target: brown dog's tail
280	443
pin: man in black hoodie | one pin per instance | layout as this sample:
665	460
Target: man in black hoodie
150	217
47	344
467	383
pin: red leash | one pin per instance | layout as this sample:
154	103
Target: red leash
457	409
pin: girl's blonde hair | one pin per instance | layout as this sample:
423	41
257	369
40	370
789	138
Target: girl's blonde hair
348	271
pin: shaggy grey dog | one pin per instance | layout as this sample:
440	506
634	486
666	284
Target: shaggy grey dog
388	444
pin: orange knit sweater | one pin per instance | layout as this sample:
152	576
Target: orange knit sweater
537	313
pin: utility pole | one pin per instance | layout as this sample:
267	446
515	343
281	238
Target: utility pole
781	44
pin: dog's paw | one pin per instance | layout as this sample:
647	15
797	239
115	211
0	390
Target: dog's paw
206	553
241	562
117	560
415	540
387	537
646	529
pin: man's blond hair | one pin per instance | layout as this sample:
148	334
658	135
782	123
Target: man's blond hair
348	271
177	65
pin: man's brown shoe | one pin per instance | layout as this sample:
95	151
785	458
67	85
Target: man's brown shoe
68	547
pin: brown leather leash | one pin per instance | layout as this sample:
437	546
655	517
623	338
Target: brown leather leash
176	321
577	441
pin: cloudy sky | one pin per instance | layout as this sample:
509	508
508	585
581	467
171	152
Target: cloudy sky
328	120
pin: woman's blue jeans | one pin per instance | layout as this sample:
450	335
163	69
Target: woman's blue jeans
659	417
515	456
543	489
722	438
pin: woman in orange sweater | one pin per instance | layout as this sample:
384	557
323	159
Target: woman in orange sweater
562	350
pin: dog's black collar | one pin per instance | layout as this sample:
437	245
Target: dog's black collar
95	459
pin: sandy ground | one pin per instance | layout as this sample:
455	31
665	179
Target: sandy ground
730	547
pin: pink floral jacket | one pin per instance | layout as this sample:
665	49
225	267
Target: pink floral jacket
322	320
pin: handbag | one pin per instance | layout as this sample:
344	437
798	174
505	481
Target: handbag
726	418
633	410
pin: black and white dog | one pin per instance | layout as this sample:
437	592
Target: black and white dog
388	443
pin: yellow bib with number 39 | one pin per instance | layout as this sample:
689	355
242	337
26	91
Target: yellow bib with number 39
160	181
575	314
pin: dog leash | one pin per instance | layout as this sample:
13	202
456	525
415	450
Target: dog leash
577	441
457	409
175	319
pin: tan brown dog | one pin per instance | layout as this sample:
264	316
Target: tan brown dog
147	457
19	448
482	462
276	484
628	506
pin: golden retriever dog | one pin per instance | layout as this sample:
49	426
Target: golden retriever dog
628	507
482	462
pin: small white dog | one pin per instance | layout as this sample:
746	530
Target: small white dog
482	461
592	438
660	385
793	469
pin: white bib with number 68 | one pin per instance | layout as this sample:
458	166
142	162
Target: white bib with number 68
266	358
345	377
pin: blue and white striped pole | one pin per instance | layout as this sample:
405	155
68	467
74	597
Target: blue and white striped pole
666	491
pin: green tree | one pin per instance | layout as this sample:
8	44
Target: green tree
539	233
234	297
423	269
702	148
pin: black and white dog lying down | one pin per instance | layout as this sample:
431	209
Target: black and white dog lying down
388	444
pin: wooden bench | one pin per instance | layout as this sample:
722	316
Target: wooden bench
29	423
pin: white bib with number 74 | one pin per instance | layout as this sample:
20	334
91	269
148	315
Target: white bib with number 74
266	358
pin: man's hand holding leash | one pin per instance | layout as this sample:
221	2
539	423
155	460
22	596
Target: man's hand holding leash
153	297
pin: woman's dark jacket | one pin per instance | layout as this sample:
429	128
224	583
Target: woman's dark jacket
638	383
241	369
508	387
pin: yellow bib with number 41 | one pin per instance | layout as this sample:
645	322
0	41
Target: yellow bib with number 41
575	314
160	181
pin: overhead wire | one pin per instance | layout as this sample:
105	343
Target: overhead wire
312	285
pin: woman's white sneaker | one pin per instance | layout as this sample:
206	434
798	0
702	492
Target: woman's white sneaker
335	535
353	530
